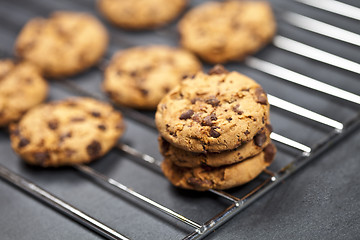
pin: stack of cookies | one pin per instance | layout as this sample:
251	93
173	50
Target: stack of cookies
214	131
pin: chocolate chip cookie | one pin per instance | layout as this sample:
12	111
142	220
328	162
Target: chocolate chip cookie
183	158
139	77
212	112
204	177
21	88
67	132
141	14
64	44
225	31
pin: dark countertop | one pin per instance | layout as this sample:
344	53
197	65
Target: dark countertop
321	201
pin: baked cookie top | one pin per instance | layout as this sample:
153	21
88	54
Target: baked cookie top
212	113
139	77
224	31
66	43
141	14
66	132
204	177
21	88
183	158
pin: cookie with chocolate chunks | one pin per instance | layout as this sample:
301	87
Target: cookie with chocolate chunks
203	177
225	31
64	44
139	77
21	88
67	132
141	14
183	158
213	113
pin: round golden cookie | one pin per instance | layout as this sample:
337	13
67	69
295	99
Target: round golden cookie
139	77
183	158
204	177
212	113
66	132
225	31
21	88
141	14
64	44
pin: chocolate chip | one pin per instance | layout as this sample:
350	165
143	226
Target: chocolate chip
269	151
196	182
207	121
218	69
96	114
41	157
101	127
237	110
213	101
184	76
77	119
133	73
269	127
23	142
246	132
263	119
260	96
260	139
166	89
229	119
186	115
94	149
53	124
213	133
173	134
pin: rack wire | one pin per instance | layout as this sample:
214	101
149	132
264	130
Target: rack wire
270	179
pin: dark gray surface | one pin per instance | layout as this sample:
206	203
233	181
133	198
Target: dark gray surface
319	202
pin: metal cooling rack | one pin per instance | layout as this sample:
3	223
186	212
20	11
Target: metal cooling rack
336	130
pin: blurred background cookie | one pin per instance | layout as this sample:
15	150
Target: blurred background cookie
66	132
141	14
139	77
64	44
219	32
21	88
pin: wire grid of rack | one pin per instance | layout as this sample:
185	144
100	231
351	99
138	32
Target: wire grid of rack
262	66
